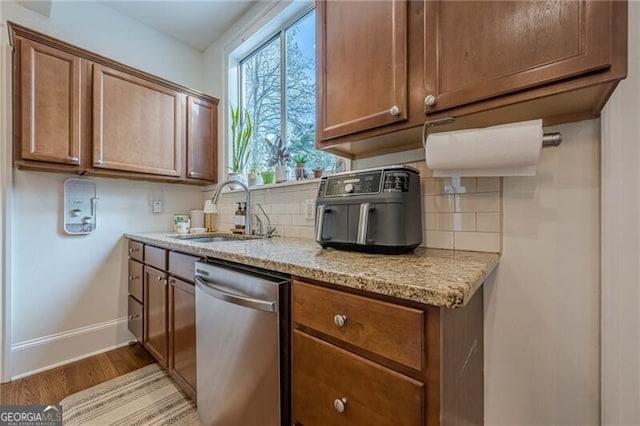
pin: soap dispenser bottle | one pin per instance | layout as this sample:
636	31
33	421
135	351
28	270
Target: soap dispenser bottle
238	219
244	212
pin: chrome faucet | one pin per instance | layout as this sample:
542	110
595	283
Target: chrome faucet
247	214
270	229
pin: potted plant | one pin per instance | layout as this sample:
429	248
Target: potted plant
300	161
318	171
254	172
268	176
279	156
241	131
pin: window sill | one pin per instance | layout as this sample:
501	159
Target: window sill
268	186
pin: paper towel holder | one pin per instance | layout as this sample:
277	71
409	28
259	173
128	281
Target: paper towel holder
548	139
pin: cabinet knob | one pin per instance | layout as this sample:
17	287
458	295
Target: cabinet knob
430	100
190	173
340	320
75	160
172	281
98	162
134	316
133	277
131	250
394	110
340	404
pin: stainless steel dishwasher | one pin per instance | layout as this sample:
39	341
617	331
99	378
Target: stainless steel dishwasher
242	345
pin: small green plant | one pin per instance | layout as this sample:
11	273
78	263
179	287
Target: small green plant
300	159
254	171
241	131
279	154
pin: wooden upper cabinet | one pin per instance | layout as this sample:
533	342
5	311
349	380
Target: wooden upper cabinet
50	90
480	50
137	124
362	65
202	135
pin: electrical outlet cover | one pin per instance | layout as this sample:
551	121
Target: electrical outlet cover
309	208
157	206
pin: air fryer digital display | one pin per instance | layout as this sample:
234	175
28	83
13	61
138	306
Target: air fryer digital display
353	184
396	182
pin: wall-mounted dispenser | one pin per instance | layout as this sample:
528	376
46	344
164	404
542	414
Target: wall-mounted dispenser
80	202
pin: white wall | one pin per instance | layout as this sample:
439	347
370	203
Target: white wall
100	29
621	243
69	292
542	304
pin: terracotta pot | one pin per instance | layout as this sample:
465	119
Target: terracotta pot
318	173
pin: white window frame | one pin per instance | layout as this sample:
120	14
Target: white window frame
276	18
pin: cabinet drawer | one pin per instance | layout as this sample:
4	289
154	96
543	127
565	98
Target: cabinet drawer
182	265
156	257
324	376
135	318
392	331
135	250
135	279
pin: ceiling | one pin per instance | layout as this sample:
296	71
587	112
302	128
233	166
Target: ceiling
196	23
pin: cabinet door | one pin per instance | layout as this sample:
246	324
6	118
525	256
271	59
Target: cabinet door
334	387
137	124
479	50
182	332
362	65
155	314
50	89
202	137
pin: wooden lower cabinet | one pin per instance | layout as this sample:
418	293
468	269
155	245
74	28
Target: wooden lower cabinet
335	387
182	334
155	314
162	309
135	323
349	368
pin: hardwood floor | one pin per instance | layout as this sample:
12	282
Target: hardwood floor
49	387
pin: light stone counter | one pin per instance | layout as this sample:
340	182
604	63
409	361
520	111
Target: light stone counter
443	278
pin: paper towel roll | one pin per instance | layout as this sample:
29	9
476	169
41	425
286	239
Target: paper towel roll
506	150
197	218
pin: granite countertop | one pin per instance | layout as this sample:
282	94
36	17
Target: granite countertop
444	278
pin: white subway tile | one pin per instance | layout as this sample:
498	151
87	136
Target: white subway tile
425	172
478	241
455	221
307	232
301	220
488	222
439	239
455	185
439	203
280	219
430	222
428	186
488	184
482	202
292	208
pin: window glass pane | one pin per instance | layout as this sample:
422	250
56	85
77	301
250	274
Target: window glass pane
300	92
261	96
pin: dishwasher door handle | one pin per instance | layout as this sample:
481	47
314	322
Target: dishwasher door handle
249	302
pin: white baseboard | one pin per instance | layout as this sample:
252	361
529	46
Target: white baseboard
36	355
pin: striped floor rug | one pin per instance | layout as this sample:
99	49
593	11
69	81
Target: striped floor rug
143	397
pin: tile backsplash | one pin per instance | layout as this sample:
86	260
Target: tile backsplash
458	213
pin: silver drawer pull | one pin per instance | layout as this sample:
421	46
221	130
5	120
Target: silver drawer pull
131	250
340	404
134	316
133	278
340	320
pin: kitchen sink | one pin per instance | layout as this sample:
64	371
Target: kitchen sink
215	238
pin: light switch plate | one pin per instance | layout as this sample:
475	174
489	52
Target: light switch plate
309	208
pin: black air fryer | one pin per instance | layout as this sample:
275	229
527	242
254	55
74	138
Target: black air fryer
375	210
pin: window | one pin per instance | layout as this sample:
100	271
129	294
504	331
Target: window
278	89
